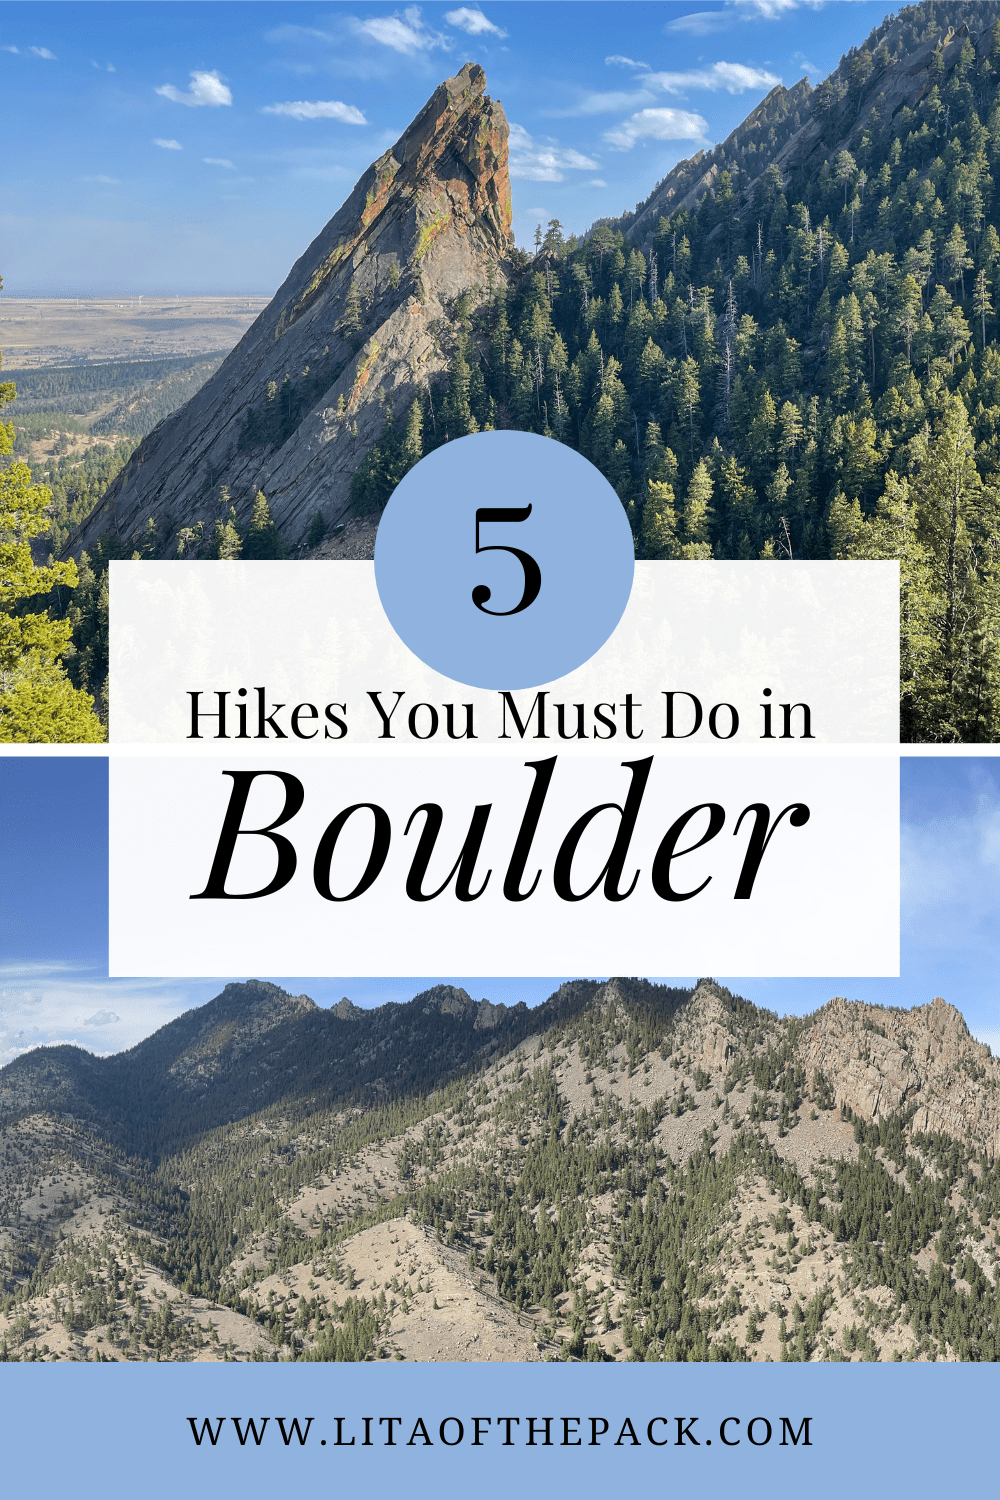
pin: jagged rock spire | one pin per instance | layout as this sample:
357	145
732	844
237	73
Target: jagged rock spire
302	397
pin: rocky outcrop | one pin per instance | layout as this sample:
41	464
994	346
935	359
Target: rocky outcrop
874	1060
446	1000
879	1061
352	333
211	1042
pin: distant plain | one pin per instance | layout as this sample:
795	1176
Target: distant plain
38	332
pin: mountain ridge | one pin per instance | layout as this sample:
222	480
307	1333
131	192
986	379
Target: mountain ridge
234	1055
630	1172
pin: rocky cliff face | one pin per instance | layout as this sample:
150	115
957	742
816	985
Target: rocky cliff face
872	1060
626	1171
353	331
880	1061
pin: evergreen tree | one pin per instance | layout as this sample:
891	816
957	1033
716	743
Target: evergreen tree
697	514
793	334
317	530
227	543
38	702
659	521
263	539
954	515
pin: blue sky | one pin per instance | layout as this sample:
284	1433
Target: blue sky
53	918
199	147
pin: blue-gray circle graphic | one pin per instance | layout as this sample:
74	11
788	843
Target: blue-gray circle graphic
550	579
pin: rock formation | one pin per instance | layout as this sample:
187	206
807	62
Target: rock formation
354	330
879	1061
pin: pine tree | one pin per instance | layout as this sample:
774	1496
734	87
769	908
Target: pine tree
38	703
352	319
952	514
413	437
892	533
263	539
843	524
659	521
982	305
697	514
227	544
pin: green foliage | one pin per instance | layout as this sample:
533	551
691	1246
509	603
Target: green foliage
227	543
77	484
38	702
275	415
378	474
70	387
801	372
263	539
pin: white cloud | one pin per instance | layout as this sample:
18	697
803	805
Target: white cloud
700	22
705	22
604	104
110	181
406	33
597	182
660	125
617	61
43	52
206	88
106	68
11	49
46	1005
473	22
169	145
735	78
769	10
39	968
536	162
805	64
217	161
320	109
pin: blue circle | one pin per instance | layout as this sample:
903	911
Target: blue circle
576	537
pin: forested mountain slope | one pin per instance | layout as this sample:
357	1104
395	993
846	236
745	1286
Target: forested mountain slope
255	1046
790	350
799	360
627	1172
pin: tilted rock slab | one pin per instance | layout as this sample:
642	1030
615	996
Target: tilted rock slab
429	221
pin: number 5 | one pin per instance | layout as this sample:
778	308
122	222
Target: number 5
532	572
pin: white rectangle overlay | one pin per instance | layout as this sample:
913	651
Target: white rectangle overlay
314	636
824	895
